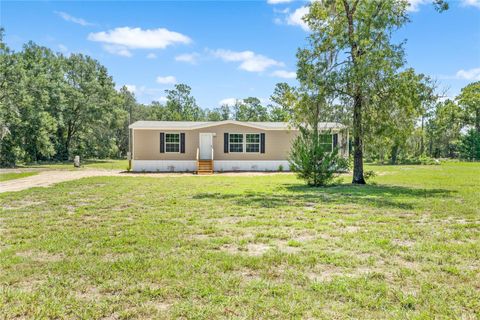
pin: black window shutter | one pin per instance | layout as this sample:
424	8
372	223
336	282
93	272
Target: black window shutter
162	142
225	142
335	140
182	142
262	142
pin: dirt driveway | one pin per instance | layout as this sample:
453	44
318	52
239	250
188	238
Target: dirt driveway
47	178
50	177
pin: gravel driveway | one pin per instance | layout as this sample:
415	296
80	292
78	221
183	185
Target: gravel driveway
47	178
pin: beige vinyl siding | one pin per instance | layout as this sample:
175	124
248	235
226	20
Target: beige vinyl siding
277	144
146	143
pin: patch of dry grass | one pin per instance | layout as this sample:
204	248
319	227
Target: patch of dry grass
257	247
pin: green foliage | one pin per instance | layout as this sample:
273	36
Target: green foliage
250	109
369	175
284	98
470	145
443	129
393	115
469	100
351	48
312	162
181	105
53	107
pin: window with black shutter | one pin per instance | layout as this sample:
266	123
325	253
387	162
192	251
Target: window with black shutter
335	140
182	142
262	142
162	142
225	142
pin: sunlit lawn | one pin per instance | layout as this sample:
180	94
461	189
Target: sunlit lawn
15	175
258	247
85	164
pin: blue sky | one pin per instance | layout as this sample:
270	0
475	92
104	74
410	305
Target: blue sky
226	49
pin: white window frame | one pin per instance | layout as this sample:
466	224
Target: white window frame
244	142
259	142
230	143
331	143
179	142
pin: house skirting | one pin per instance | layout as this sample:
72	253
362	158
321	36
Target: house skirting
164	165
250	165
218	165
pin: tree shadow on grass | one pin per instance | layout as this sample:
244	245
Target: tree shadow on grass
294	195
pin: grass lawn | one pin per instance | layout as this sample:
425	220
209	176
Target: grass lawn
257	247
15	175
88	164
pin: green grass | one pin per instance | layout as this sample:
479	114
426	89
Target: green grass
88	164
16	175
257	247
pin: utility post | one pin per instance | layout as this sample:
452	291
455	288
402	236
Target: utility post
129	153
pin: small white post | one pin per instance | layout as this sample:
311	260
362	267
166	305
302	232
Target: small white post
76	162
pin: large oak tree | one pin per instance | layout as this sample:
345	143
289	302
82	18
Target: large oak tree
358	36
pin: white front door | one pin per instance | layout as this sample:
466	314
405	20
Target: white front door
206	144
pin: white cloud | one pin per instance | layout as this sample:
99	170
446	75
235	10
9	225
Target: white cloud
278	1
472	74
63	48
162	99
65	16
249	60
188	57
120	40
278	21
227	101
414	5
167	80
131	87
118	50
151	56
296	18
284	74
282	11
471	3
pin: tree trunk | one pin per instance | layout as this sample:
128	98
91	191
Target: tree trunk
394	154
357	141
422	144
477	120
67	145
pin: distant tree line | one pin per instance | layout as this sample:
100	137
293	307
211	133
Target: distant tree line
351	71
436	129
53	107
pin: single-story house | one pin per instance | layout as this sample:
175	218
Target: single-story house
207	146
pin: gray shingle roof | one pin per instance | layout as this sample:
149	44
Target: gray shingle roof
191	125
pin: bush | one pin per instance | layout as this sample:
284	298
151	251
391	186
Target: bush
312	163
470	145
368	175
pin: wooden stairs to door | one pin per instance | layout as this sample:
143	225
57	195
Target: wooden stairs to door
205	167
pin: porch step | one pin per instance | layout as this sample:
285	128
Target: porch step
205	167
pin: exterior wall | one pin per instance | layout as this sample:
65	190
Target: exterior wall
219	165
146	144
164	165
250	165
147	156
